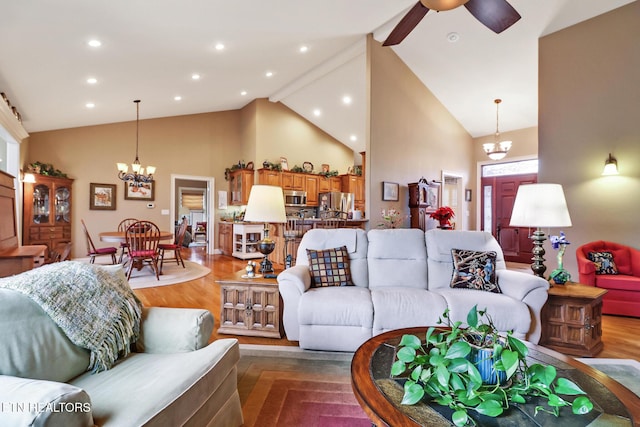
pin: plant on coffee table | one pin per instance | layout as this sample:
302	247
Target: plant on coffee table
442	369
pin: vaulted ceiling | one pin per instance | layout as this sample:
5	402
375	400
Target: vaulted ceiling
314	50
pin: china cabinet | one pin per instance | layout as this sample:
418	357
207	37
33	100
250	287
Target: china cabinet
47	211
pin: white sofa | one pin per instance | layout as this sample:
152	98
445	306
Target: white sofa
402	279
173	377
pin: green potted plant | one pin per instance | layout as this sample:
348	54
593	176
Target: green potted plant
445	369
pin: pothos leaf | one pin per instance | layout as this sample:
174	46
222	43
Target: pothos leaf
490	408
460	417
458	350
582	405
406	354
566	386
412	394
411	341
472	317
397	368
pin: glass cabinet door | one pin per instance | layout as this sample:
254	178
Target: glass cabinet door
41	207
62	205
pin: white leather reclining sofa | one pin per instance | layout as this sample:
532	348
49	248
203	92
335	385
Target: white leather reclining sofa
402	279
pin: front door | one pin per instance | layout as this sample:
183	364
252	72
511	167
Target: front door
502	190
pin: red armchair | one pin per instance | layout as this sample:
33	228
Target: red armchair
623	289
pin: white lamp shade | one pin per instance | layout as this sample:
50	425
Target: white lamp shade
540	205
266	204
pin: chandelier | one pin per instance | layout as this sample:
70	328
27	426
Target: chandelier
498	149
137	176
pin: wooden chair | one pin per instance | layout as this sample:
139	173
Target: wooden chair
331	223
124	224
143	238
176	246
200	230
59	253
93	252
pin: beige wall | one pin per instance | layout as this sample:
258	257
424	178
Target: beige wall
590	106
199	145
412	135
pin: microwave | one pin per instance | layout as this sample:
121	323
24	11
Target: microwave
295	198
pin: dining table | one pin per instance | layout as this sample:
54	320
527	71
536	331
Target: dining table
119	236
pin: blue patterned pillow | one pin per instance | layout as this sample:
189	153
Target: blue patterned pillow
329	267
604	262
474	270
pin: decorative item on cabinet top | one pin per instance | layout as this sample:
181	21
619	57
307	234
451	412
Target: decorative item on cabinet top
240	165
45	169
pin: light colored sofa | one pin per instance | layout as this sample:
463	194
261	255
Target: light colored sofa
173	378
402	279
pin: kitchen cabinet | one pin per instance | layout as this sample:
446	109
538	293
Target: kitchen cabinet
47	204
269	177
326	185
225	237
311	187
293	181
240	183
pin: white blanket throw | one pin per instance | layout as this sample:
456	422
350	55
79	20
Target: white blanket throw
94	307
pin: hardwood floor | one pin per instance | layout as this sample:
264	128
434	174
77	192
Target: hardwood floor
619	334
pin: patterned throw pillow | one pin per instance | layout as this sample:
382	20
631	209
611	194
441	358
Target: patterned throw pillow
474	270
329	267
604	262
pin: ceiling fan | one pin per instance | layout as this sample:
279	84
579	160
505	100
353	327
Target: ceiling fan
497	15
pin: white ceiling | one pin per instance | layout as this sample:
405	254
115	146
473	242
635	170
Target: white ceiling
150	49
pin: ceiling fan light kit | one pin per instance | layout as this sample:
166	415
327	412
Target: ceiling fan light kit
498	149
497	15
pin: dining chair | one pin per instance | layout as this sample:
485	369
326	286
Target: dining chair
142	239
124	224
331	223
176	247
59	253
93	252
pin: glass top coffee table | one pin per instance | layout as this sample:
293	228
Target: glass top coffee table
380	396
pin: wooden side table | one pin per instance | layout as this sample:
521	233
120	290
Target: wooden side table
572	319
250	307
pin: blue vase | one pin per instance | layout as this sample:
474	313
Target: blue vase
482	358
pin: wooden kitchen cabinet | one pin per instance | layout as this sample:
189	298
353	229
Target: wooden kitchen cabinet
269	177
47	207
225	237
326	185
240	183
293	181
311	187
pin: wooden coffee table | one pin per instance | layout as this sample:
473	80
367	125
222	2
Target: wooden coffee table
380	396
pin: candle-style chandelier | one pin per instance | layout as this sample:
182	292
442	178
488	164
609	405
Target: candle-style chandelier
137	176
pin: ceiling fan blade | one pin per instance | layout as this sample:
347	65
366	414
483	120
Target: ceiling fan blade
406	24
498	15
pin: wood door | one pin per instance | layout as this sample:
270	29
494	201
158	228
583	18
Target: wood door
515	241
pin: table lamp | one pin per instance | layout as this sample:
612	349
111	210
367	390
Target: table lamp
540	205
266	204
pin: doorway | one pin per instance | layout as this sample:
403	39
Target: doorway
205	185
452	194
499	186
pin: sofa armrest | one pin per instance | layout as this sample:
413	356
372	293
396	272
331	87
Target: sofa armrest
39	403
586	268
292	283
174	330
531	290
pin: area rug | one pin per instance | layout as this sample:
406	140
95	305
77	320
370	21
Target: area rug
291	387
171	273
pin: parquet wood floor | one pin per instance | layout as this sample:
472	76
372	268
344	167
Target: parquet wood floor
621	335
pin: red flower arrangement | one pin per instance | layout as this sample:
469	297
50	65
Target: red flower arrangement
443	214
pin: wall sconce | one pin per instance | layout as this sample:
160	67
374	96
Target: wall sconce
610	166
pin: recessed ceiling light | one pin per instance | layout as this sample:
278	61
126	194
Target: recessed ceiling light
453	37
243	93
346	100
177	98
219	46
90	105
94	43
269	74
195	76
303	49
317	112
92	80
353	138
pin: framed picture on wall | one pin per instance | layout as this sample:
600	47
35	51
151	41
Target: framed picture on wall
146	191
102	197
390	191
